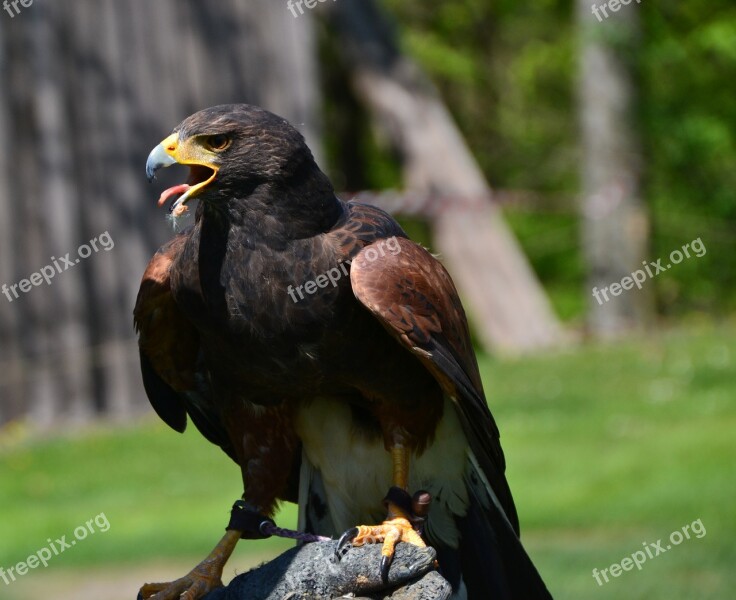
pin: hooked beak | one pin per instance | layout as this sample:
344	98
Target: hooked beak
161	156
173	151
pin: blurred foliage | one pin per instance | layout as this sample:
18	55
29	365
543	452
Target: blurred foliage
690	124
507	71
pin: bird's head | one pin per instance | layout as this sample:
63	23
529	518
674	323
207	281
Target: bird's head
228	148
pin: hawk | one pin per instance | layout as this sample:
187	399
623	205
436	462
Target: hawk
328	355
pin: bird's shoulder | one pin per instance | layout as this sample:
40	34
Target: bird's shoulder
155	287
361	225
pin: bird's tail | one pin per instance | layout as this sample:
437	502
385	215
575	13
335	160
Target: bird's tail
491	562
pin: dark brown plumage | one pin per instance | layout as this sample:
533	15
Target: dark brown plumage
312	393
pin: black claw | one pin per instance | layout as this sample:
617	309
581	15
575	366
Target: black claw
344	543
385	566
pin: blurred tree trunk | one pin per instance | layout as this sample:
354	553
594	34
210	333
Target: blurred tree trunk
89	88
11	353
510	309
615	221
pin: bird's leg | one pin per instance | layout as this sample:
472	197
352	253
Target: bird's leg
246	521
265	453
403	512
400	456
201	580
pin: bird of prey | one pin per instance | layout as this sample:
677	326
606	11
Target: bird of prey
328	355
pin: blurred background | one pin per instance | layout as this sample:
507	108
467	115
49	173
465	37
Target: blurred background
543	150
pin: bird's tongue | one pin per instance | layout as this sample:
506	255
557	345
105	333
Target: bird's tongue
172	191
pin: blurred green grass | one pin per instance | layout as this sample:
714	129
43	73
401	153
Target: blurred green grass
608	447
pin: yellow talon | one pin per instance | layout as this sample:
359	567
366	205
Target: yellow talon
390	533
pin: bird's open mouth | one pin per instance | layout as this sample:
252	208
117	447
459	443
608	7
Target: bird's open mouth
199	177
202	170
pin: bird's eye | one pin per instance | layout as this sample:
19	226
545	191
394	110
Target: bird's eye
218	143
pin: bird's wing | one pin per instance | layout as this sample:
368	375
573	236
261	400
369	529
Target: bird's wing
414	298
169	347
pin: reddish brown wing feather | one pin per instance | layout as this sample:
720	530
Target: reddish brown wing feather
413	296
167	341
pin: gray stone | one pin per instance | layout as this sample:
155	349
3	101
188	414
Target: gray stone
311	573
